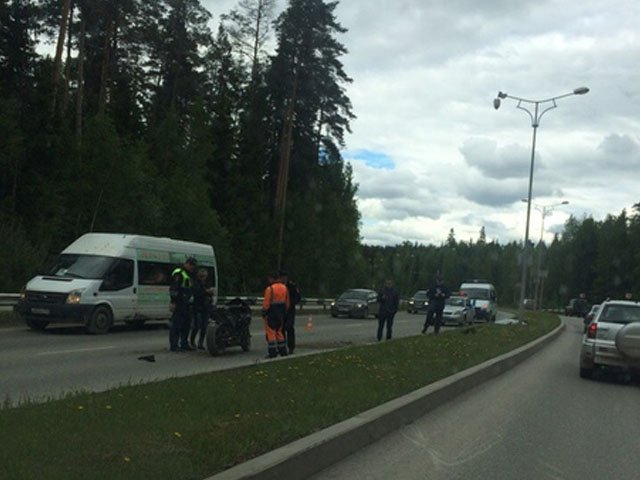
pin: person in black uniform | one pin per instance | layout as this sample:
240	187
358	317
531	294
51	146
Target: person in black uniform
437	296
180	292
290	319
389	301
202	300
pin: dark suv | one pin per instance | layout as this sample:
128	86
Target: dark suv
577	307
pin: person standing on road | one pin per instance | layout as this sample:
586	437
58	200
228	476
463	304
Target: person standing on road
290	319
274	312
437	296
180	292
389	301
202	300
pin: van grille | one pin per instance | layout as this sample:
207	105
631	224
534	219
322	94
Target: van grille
46	297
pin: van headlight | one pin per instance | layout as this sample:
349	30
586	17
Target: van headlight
74	297
359	305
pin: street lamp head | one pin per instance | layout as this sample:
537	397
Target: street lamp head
502	95
581	91
496	103
566	202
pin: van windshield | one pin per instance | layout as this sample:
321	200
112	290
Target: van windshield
477	293
81	266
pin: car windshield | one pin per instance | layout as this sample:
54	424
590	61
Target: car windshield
80	266
420	295
455	301
620	314
352	295
477	293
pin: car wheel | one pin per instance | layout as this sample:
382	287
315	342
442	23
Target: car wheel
493	319
35	324
586	372
334	315
100	321
365	313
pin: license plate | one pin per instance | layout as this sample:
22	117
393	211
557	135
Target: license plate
41	311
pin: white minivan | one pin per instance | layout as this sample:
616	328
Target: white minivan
483	297
106	278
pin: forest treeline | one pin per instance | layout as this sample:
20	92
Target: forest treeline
139	116
144	120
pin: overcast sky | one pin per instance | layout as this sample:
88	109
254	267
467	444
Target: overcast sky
428	149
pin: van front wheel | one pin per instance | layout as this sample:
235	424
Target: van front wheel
100	321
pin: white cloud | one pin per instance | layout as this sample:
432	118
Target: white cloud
425	74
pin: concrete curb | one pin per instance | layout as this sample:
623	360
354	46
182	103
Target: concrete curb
309	455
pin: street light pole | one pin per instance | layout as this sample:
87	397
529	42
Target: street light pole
545	211
535	116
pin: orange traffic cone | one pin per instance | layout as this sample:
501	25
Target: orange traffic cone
309	326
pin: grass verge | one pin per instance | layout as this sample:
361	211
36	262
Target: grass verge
189	428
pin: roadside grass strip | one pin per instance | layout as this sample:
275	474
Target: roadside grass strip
193	427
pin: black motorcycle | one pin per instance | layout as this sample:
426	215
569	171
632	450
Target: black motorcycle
229	327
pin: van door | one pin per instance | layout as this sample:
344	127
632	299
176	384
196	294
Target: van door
119	290
154	279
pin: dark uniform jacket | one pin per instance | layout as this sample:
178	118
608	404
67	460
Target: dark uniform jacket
389	301
437	296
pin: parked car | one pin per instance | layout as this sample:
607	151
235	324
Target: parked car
357	302
612	339
588	318
529	304
458	310
419	303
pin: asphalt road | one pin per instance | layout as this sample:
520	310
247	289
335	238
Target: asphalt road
537	421
41	365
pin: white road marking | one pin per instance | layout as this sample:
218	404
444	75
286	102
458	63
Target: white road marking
77	350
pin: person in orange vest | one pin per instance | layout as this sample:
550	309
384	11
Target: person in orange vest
274	312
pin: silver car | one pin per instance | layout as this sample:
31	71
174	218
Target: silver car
612	339
458	310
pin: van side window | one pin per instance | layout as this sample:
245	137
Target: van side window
154	273
119	276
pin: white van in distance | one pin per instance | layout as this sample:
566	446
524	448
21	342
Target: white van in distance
105	278
483	297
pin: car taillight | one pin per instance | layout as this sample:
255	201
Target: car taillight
592	330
